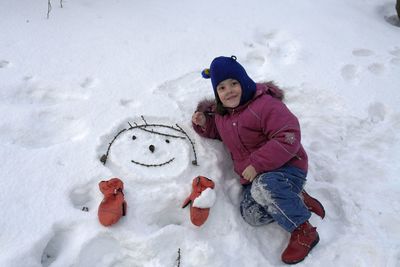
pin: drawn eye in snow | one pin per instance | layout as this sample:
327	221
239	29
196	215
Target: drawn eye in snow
168	132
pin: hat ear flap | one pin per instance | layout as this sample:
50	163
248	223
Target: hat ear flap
206	74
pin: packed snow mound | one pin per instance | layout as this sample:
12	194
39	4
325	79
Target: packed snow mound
72	84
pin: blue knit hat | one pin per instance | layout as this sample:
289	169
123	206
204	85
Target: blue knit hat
223	68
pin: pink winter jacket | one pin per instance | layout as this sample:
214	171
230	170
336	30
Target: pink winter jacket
262	132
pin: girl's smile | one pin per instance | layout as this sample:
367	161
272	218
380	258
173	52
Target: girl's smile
229	92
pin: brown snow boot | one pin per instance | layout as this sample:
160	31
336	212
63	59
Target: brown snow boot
302	240
313	204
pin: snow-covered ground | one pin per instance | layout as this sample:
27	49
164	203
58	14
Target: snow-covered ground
70	83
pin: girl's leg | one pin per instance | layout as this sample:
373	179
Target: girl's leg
252	212
279	191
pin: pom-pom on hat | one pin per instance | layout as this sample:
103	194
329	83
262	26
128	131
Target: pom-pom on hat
223	68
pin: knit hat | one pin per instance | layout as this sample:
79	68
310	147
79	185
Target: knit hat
223	68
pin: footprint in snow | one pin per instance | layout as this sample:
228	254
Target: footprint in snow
4	64
130	103
46	118
43	128
377	112
89	83
272	49
80	245
350	73
55	245
81	195
39	93
187	86
362	52
396	53
102	250
353	72
376	68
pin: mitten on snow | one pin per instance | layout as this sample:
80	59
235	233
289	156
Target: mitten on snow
198	215
113	206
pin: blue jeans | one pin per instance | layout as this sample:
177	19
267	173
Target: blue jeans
274	196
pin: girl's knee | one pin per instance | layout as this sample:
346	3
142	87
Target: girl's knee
251	215
260	191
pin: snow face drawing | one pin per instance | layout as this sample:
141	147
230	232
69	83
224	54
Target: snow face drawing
149	149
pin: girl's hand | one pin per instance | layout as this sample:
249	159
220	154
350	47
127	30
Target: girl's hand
199	119
249	173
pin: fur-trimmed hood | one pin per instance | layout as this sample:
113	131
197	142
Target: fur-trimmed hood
262	132
210	106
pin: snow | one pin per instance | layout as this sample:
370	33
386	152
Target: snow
70	83
206	199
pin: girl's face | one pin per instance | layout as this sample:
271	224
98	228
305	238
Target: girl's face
230	92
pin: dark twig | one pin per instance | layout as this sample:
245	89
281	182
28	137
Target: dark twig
194	162
143	127
104	158
143	119
178	259
164	134
48	8
153	165
158	125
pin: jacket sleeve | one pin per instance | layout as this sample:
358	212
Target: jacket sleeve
210	130
282	130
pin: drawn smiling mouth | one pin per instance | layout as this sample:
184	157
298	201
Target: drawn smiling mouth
153	165
152	148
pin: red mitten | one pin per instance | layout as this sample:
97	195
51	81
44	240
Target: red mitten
113	206
198	215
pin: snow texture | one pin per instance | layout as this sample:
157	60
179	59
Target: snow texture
69	84
206	199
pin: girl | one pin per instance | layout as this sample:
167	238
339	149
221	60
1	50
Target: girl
263	137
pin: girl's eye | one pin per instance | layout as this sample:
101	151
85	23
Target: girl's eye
221	88
133	137
167	141
234	83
